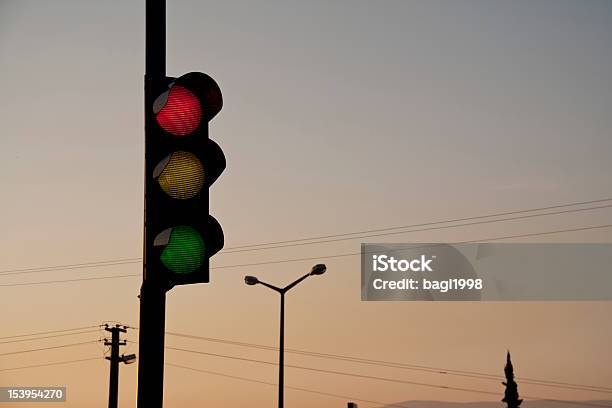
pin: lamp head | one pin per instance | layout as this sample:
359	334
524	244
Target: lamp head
251	280
128	359
318	269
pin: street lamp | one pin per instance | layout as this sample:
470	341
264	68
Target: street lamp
318	269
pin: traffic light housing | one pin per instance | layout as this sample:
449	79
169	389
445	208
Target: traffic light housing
181	163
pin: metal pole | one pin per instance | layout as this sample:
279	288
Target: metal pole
152	295
155	38
281	358
151	346
318	269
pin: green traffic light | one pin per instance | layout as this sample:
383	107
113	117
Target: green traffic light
184	250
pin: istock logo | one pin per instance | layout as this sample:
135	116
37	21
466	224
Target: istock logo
383	263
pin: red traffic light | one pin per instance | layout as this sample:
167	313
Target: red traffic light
178	111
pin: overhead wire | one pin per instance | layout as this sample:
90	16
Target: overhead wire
48	332
302	241
429	369
48	337
378	378
317	257
286	386
499	214
48	348
228	251
50	364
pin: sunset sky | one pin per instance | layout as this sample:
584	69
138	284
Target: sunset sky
338	117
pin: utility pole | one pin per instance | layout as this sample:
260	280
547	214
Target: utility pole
152	295
115	359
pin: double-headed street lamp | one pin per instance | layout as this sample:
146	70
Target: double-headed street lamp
318	269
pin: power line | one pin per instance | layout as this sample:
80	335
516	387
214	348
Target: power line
67	268
71	280
50	364
319	257
47	337
534	234
48	332
371	377
483	376
48	348
419	230
350	397
55	268
256	381
435	370
301	241
429	369
111	262
288	387
387	379
424	224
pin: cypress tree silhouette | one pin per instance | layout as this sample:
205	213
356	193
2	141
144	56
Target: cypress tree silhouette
511	396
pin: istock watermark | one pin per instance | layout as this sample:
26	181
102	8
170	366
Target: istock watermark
485	271
382	263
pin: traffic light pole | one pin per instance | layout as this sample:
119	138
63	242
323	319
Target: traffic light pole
155	38
151	345
152	294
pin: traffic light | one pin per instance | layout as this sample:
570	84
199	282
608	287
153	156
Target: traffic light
181	163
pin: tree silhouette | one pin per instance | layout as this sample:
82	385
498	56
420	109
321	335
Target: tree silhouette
511	396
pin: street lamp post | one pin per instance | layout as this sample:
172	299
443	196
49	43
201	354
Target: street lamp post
318	269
